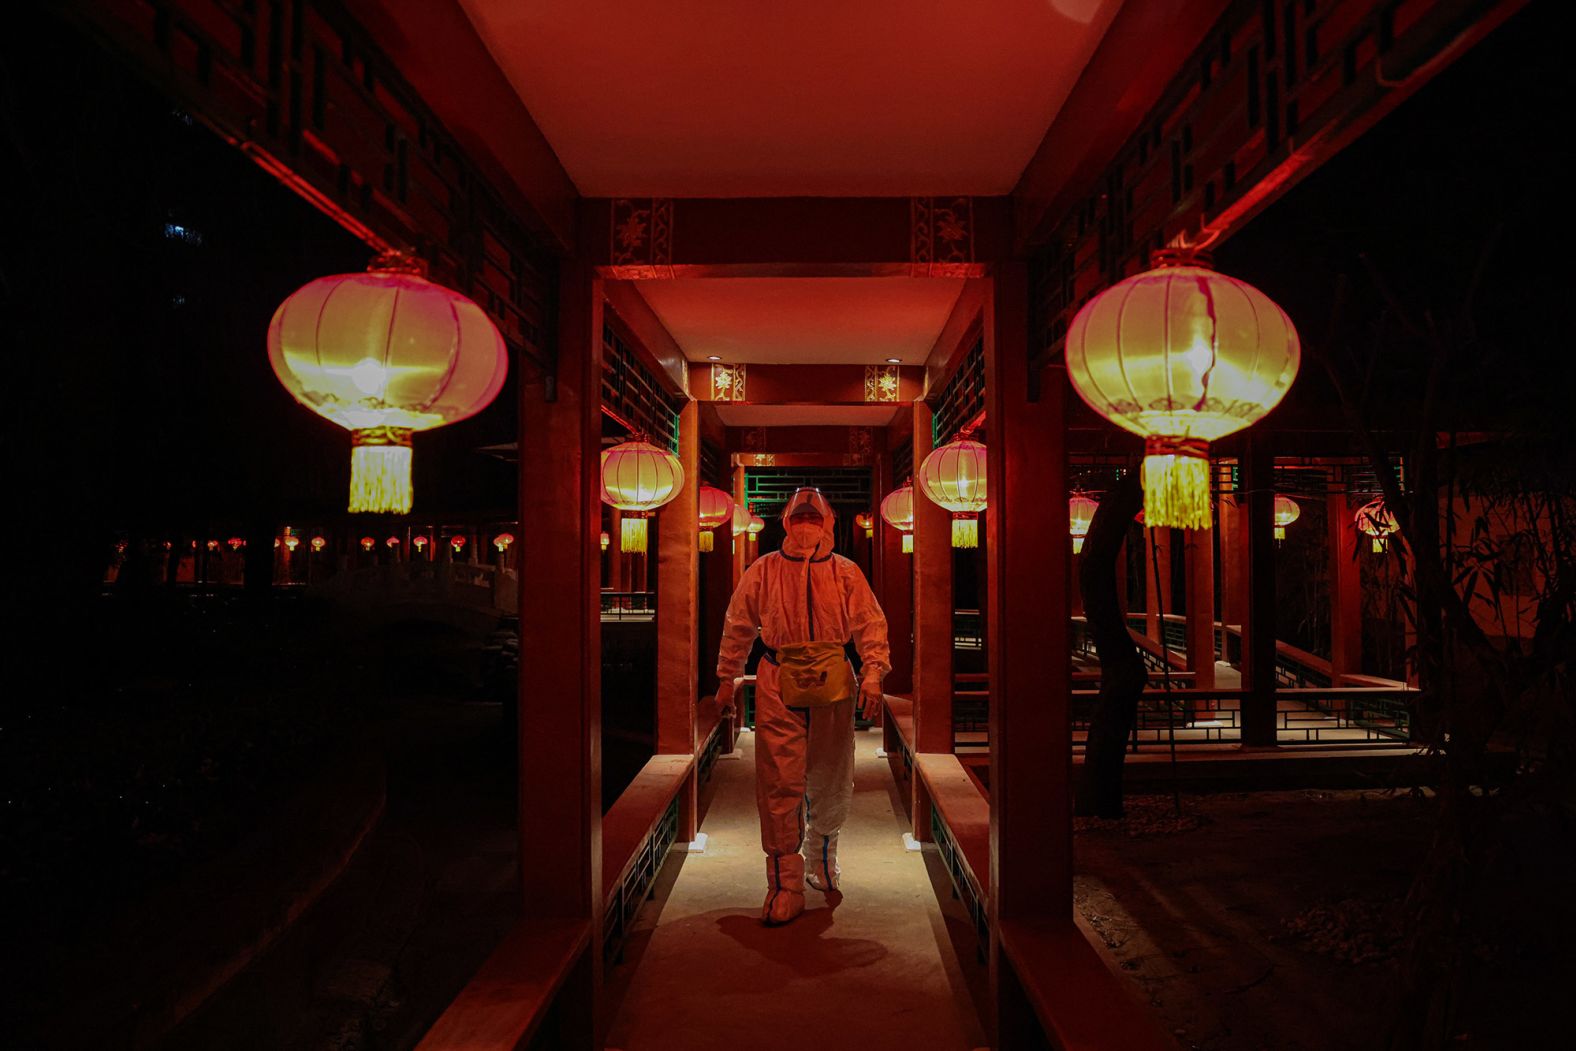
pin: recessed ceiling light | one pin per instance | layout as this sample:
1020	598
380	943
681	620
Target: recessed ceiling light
713	357
894	361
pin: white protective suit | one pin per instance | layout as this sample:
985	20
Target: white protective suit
804	757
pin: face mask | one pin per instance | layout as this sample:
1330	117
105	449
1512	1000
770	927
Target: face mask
805	536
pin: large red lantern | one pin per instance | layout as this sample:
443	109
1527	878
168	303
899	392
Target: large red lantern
1080	516
953	476
1183	356
898	512
1375	519
385	354
1287	511
716	507
638	478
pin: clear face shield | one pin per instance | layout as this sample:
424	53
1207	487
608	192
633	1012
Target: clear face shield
807	519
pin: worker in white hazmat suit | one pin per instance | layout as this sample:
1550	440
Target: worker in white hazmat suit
806	603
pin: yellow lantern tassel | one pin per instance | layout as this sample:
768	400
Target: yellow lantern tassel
1379	545
1078	545
908	543
707	543
1176	484
1280	532
380	470
632	535
965	531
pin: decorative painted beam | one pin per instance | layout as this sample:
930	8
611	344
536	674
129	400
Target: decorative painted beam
804	384
659	238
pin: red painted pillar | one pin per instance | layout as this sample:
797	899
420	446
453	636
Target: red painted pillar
677	532
932	622
1200	572
1346	592
560	641
1258	676
1027	579
1233	572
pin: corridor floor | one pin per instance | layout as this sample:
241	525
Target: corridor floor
873	970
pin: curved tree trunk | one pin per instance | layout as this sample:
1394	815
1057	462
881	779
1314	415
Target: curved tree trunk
1122	674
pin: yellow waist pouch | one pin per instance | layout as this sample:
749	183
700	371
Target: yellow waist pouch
815	674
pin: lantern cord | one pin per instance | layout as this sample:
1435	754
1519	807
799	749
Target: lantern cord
1165	670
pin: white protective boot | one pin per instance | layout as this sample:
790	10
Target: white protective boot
784	889
821	870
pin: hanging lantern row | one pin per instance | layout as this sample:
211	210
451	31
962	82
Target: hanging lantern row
716	507
638	478
1080	516
1287	511
898	512
1375	519
1183	356
953	476
385	354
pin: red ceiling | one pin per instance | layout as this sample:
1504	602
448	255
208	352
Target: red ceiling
729	98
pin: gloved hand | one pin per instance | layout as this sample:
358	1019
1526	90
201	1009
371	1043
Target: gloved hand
870	699
725	698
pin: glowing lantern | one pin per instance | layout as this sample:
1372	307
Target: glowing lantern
385	354
741	519
392	541
502	541
213	545
420	544
457	544
757	523
236	543
276	543
1183	356
1286	512
366	543
606	541
953	476
716	507
1375	519
866	521
318	543
898	511
1080	516
292	542
638	478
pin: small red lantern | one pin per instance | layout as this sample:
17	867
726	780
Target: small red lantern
366	543
318	543
213	545
953	476
716	507
638	478
236	542
292	542
757	523
420	543
502	541
1287	511
605	541
392	541
898	510
1080	516
866	521
457	543
1375	519
384	354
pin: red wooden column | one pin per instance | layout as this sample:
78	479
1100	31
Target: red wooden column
560	641
896	585
678	615
1233	570
740	542
1258	644
1200	572
1157	548
1346	591
932	622
1031	741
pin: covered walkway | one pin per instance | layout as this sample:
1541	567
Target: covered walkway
701	972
